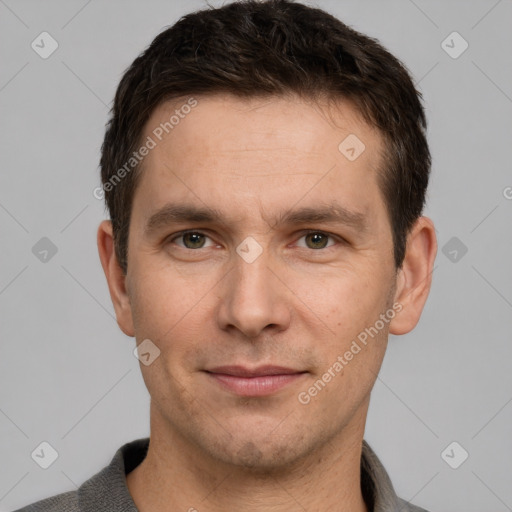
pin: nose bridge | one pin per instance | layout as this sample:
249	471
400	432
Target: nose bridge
251	299
251	279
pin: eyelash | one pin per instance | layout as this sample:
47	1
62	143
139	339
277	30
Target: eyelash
303	234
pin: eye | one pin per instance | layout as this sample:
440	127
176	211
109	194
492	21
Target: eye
316	240
191	240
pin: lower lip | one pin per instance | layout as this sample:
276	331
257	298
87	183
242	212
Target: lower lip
255	386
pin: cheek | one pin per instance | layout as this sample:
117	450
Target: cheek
162	301
177	315
345	301
349	305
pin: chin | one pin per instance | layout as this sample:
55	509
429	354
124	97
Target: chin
261	457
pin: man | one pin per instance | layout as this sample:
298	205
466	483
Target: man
265	169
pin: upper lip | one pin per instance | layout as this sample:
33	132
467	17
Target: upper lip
242	371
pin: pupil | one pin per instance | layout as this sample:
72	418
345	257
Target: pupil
194	239
318	238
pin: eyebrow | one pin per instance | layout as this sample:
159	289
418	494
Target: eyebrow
327	214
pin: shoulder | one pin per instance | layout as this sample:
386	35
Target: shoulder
65	502
405	506
104	491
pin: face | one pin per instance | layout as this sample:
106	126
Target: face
259	253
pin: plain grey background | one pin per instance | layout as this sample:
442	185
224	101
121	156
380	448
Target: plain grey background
67	373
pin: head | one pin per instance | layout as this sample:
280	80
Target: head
292	149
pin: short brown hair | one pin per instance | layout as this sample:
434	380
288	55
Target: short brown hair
274	47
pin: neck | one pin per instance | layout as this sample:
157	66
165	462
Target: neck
176	475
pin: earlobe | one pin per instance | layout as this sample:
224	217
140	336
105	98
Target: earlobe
116	279
415	277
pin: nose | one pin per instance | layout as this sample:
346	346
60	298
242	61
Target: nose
253	299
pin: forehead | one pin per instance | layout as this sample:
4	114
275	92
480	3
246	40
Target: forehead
289	122
269	150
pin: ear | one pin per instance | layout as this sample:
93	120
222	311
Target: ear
415	276
115	278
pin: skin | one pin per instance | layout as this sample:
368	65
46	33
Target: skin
297	305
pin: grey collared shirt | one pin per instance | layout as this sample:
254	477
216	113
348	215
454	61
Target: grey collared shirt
107	491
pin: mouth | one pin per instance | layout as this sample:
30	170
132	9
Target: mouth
261	381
